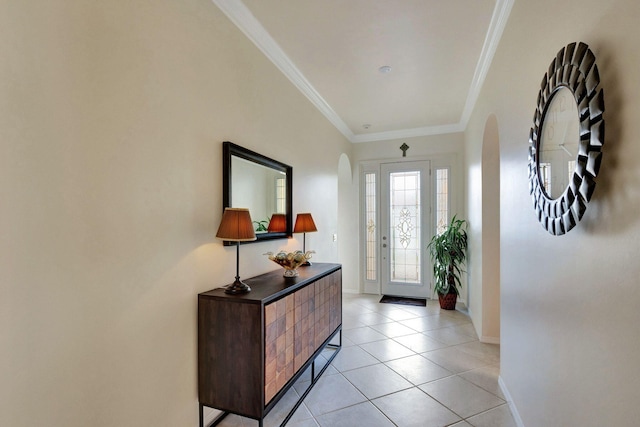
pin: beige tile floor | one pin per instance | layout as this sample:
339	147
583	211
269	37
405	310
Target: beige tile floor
400	366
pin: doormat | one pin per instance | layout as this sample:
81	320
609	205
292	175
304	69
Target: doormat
404	301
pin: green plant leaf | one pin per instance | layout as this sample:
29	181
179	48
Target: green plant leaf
447	251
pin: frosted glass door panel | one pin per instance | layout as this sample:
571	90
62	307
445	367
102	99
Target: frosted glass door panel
404	205
405	217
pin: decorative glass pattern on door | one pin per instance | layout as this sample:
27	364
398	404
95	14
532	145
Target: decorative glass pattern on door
442	200
405	215
371	241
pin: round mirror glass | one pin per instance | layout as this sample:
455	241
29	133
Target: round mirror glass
559	138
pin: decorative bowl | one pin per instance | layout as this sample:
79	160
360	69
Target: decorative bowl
290	261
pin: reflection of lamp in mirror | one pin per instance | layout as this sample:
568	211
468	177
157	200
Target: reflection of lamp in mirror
304	225
278	223
236	226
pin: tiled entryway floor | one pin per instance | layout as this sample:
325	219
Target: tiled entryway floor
400	366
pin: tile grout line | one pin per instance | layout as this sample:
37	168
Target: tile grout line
355	303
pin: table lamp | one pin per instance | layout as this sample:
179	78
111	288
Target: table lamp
304	225
236	226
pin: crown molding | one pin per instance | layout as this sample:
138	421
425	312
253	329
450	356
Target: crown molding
408	133
494	34
242	17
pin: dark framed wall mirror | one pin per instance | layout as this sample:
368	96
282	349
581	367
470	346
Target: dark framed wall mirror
260	184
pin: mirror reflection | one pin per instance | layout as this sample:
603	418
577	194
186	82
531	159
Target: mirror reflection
260	184
559	139
258	188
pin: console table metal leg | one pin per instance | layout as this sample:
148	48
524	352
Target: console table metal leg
314	379
215	421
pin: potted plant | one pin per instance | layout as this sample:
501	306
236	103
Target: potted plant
261	226
448	251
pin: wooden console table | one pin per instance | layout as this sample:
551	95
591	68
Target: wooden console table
253	347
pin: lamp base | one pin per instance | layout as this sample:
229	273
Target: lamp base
237	287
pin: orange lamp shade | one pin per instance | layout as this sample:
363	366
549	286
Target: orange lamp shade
278	223
304	223
236	225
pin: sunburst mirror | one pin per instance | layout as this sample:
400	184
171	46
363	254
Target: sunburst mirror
565	142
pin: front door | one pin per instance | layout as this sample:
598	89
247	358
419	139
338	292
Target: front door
405	231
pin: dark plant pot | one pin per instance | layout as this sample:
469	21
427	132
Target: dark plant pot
448	301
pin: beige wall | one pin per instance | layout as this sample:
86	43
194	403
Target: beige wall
569	304
112	116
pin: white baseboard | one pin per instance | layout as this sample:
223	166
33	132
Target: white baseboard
483	338
512	406
490	340
350	291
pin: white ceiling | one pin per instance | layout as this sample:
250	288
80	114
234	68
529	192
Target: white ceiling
439	52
